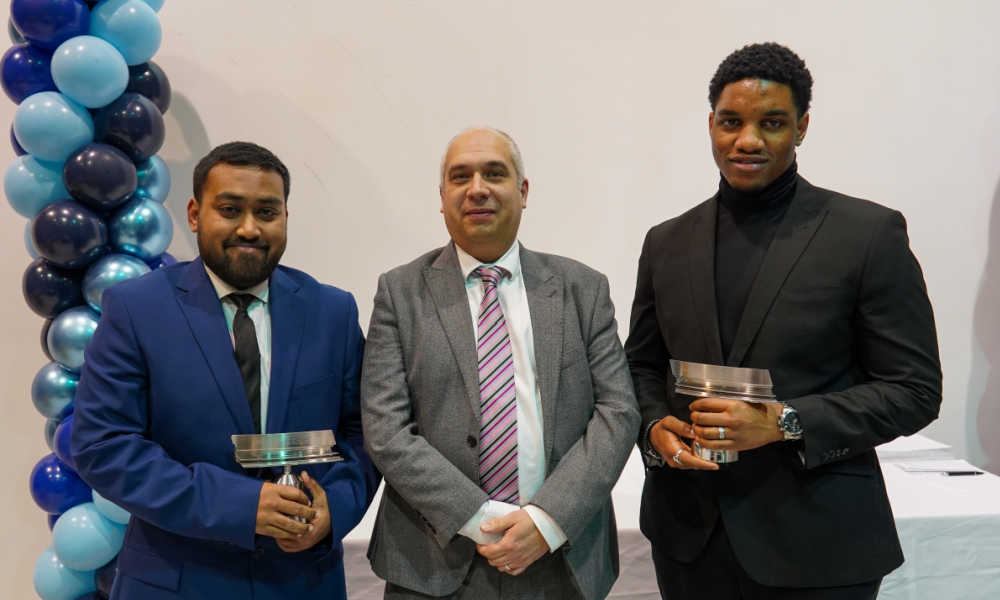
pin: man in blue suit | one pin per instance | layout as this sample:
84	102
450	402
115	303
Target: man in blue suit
229	343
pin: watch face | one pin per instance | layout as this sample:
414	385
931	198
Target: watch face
790	421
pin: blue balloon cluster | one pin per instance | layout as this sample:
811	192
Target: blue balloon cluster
87	179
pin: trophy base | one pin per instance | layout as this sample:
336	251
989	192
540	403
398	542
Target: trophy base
716	456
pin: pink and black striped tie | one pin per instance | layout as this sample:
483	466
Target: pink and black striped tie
497	402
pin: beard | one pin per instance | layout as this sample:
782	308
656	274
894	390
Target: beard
243	271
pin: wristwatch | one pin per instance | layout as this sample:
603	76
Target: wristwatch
650	456
789	423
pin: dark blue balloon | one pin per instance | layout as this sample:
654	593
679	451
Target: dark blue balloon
164	260
133	124
50	431
12	32
48	23
49	290
18	150
149	80
69	234
51	519
105	576
100	176
60	443
55	487
25	70
45	339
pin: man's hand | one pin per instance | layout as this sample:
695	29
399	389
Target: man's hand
745	425
319	527
665	437
521	544
275	509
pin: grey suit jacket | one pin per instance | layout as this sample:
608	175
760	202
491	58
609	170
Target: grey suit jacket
420	411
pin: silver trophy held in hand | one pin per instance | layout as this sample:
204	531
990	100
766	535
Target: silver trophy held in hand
730	383
285	450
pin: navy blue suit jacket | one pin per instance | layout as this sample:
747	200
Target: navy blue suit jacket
160	395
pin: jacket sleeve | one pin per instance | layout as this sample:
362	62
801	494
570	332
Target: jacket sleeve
114	455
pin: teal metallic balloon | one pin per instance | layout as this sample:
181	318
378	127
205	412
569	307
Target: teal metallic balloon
154	179
108	271
141	228
89	70
84	539
111	510
31	184
154	4
69	335
52	391
50	126
131	26
50	432
55	581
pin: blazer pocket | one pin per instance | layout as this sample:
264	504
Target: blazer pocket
149	568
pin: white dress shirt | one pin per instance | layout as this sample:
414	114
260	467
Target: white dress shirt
261	316
530	444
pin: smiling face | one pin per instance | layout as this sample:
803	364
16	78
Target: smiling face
481	197
241	223
755	128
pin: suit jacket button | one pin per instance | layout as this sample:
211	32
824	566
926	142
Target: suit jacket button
471	441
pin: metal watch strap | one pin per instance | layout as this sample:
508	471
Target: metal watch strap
650	456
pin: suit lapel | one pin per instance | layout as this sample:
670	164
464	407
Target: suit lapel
447	290
804	216
701	270
203	311
545	307
288	318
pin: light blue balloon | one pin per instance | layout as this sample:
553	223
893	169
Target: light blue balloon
86	540
154	4
31	184
50	432
154	179
69	335
130	25
50	126
89	70
141	228
29	245
55	581
110	510
53	389
108	271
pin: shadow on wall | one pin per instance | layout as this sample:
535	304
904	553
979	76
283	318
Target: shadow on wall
194	141
983	427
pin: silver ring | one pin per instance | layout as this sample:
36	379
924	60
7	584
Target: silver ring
677	457
722	433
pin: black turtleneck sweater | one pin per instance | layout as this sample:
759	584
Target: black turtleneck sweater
744	229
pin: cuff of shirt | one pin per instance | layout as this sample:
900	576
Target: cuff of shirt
547	526
490	509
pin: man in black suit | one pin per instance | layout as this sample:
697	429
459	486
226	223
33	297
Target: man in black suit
822	290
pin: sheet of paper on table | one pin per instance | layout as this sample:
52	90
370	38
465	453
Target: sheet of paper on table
954	465
913	447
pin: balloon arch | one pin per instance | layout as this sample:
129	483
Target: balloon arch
87	128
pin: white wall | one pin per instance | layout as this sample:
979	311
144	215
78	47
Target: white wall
609	107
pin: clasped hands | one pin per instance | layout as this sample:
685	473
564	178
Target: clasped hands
521	543
277	506
717	424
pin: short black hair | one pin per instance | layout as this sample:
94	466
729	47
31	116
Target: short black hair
240	154
770	61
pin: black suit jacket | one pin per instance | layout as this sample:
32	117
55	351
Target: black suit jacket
839	314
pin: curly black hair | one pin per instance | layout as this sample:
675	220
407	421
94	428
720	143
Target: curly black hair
770	61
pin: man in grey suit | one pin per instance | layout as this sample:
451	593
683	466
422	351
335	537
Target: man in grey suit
496	401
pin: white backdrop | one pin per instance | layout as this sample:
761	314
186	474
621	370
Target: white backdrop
609	108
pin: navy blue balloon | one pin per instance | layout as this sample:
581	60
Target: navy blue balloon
44	339
69	234
12	32
60	443
133	124
149	80
55	487
164	260
48	23
25	70
49	290
51	519
100	176
18	150
105	577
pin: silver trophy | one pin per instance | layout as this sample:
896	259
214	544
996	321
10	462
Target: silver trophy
286	450
714	381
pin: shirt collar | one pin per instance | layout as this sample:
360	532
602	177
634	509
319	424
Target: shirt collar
511	260
223	289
